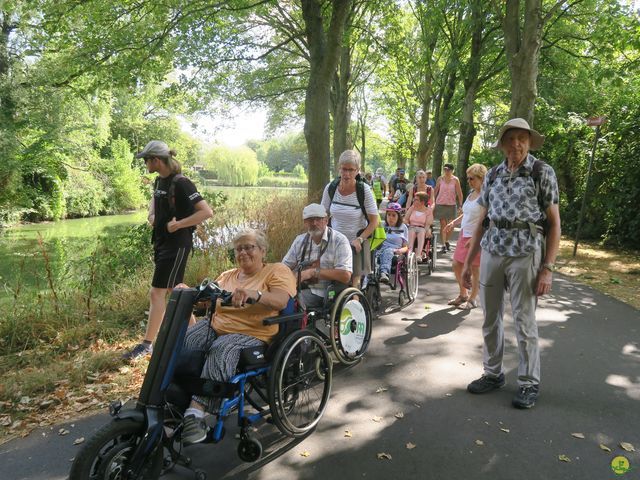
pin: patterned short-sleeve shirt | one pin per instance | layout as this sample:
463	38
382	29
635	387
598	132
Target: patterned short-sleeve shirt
511	197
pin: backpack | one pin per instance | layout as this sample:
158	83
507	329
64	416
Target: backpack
333	186
536	174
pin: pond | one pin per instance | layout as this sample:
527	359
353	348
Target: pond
70	242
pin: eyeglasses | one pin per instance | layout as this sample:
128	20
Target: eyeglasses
244	248
347	170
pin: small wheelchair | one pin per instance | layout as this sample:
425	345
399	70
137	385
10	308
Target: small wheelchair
404	277
288	382
429	251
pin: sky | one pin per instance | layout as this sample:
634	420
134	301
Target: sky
234	130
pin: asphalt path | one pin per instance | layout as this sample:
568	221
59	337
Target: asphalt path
408	399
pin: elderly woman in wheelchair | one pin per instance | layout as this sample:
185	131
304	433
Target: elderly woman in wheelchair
260	290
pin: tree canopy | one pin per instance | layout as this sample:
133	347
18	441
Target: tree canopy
415	83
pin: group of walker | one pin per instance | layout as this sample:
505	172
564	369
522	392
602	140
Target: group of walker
511	213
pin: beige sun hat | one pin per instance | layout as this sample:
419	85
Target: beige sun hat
536	139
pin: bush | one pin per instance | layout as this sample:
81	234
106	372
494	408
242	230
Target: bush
84	195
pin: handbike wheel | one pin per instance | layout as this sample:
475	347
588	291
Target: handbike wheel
106	455
350	330
372	292
412	276
299	383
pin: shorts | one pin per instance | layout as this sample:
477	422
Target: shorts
447	212
170	266
462	248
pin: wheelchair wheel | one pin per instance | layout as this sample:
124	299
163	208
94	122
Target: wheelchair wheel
350	329
372	292
106	455
299	383
434	251
412	276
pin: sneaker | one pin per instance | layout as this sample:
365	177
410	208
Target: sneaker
526	396
384	278
194	430
448	246
486	384
443	250
139	350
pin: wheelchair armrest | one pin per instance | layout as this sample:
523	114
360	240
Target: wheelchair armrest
283	319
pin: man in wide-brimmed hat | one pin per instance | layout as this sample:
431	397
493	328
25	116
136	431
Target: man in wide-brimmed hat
519	238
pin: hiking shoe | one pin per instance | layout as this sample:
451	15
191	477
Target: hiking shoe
384	278
194	430
139	350
486	384
526	396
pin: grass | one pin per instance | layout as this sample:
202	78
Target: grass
614	272
60	348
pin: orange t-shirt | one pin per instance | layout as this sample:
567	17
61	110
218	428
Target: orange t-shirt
248	320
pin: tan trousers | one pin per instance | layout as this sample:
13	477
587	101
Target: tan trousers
517	275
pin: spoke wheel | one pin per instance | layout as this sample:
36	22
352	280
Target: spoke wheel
106	455
350	330
412	276
299	383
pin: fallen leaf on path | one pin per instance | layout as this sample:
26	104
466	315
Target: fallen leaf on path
423	325
505	430
306	453
564	458
479	442
416	405
388	364
578	435
448	394
347	433
381	389
410	446
605	448
384	456
627	446
377	419
62	432
78	441
399	415
5	420
427	307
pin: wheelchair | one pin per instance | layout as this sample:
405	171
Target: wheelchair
403	277
288	383
429	251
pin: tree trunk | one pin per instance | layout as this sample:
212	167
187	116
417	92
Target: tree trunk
471	86
340	105
324	50
441	124
522	46
426	138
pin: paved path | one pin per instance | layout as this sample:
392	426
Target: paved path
590	385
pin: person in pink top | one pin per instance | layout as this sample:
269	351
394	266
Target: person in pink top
448	196
419	217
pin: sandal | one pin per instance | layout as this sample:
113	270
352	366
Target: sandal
457	301
468	305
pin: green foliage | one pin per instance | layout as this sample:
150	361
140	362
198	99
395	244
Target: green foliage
233	166
125	187
299	172
84	194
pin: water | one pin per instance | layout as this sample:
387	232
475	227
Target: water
66	242
69	243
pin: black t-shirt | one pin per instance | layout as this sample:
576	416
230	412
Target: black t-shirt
185	196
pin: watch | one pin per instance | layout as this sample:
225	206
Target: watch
361	240
259	296
549	266
317	273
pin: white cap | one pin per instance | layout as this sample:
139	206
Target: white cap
314	210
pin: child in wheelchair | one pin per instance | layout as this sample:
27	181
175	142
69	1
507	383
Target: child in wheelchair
420	219
396	241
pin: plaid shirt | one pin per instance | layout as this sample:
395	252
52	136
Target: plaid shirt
337	255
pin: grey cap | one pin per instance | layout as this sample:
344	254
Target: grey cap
155	148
